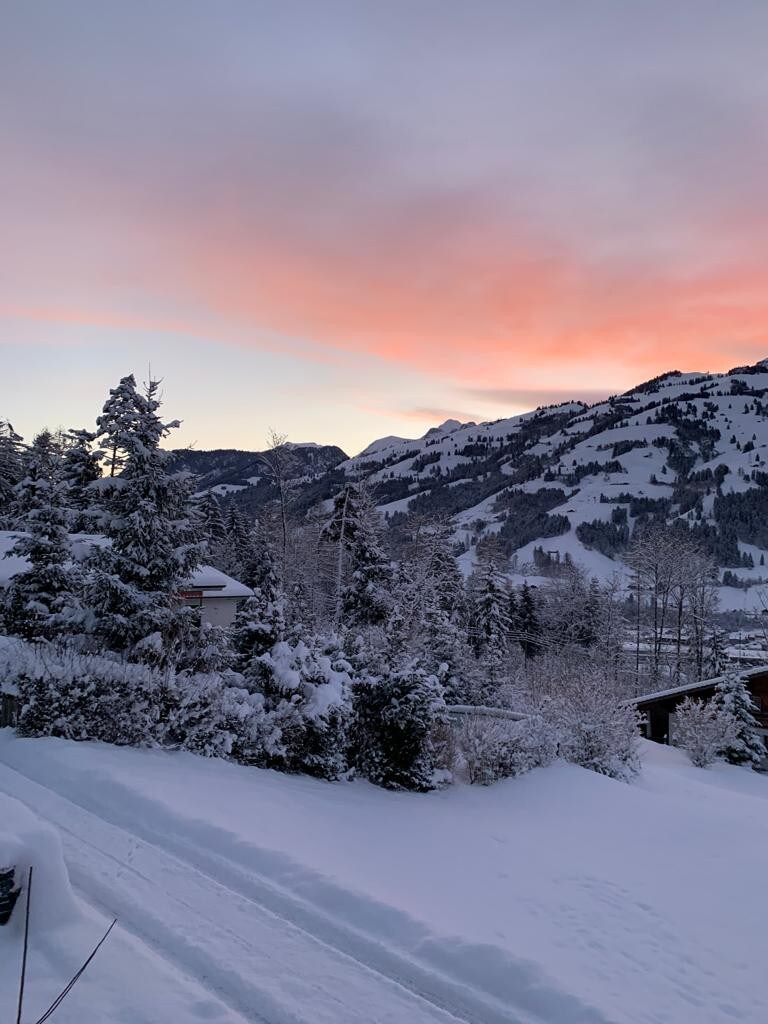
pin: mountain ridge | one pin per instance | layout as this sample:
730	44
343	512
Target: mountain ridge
572	481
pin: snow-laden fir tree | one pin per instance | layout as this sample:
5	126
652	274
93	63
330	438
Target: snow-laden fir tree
11	471
526	627
393	723
81	468
212	526
363	573
260	620
133	584
746	745
118	424
40	603
489	629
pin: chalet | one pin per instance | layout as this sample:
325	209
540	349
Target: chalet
216	594
659	708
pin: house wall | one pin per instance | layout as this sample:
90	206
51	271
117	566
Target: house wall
218	611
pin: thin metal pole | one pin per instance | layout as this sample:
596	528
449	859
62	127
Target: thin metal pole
26	947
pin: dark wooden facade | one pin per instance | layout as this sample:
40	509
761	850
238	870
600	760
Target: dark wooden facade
657	707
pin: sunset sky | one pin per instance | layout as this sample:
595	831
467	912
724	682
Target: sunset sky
349	219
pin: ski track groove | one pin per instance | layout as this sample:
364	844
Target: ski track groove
387	967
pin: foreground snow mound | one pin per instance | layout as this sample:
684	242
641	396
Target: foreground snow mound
26	842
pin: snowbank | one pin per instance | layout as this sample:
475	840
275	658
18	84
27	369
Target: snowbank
26	842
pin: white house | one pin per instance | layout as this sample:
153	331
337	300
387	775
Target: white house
216	594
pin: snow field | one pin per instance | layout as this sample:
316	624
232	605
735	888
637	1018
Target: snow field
558	897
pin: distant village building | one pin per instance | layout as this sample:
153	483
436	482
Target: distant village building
659	708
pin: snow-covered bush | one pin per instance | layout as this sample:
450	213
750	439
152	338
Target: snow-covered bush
194	714
306	691
596	729
703	730
734	699
496	748
85	696
394	720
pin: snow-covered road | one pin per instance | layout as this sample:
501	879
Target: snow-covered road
262	951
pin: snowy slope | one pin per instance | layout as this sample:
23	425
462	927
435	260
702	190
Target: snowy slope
600	456
557	898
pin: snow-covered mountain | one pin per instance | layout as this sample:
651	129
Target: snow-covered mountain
574	480
228	470
565	480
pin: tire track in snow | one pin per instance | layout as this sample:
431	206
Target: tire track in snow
285	976
475	985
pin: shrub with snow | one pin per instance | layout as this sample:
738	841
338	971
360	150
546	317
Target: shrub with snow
394	720
306	691
596	730
492	749
703	730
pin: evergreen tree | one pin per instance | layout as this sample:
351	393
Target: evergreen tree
39	603
133	585
305	688
119	423
213	528
490	620
11	471
366	598
527	627
746	745
81	468
260	620
394	719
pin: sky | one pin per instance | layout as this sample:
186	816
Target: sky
351	219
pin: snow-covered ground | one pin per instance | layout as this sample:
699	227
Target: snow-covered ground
558	898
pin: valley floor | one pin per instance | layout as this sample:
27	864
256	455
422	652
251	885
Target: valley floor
243	895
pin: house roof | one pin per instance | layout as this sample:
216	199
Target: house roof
213	582
701	684
217	584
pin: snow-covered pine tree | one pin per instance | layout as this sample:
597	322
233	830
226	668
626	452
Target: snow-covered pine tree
489	629
394	716
363	570
133	584
237	542
118	424
11	471
734	699
81	468
527	627
213	528
490	624
40	603
260	620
